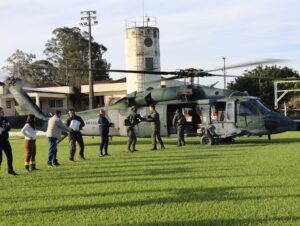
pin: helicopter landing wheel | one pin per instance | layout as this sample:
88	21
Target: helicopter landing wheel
207	139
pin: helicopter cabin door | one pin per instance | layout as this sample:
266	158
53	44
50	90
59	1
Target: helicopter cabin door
222	116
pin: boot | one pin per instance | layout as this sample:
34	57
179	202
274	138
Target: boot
154	148
27	169
128	148
32	167
133	148
11	172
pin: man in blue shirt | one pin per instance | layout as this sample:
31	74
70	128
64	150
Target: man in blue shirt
104	125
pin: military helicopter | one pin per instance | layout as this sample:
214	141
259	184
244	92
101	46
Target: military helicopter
213	114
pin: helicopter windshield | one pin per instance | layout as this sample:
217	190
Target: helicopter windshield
253	107
262	107
248	108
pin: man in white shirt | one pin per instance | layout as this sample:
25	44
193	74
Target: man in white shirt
55	127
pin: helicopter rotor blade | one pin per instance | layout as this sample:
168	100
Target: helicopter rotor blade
141	71
250	63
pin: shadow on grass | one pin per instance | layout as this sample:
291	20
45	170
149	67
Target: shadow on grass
212	222
176	195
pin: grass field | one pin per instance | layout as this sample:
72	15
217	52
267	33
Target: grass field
254	181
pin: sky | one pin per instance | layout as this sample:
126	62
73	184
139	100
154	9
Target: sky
193	33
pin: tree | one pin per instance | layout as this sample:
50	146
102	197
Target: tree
68	51
18	62
256	84
39	72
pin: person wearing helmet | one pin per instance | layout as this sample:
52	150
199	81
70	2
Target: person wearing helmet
130	122
179	122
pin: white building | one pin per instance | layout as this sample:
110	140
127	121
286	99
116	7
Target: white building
49	97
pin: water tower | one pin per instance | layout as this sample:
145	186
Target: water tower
142	53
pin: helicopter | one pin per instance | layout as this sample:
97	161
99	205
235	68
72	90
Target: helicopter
213	114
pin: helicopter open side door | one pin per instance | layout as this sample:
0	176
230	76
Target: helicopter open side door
222	118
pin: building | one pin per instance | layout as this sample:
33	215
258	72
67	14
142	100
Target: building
49	97
106	91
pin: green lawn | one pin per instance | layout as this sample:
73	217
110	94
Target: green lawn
254	181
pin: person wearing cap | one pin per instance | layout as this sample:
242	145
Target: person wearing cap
130	122
4	142
54	130
155	125
179	122
104	125
75	123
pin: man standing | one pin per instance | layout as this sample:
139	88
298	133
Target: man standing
104	125
75	124
131	121
4	143
155	125
55	127
179	121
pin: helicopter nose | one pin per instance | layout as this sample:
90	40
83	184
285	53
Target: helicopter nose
279	123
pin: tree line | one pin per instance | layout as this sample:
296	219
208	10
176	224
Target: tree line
66	60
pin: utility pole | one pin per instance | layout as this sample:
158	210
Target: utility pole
224	70
89	19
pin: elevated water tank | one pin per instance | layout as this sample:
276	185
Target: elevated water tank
142	53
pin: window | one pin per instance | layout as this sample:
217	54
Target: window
55	103
230	112
149	63
8	104
262	107
51	103
59	103
248	108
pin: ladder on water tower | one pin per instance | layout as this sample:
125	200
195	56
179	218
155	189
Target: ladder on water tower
140	59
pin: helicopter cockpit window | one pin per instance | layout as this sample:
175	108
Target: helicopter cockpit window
262	107
248	108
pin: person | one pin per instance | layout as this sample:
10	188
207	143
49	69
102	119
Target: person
130	122
29	143
155	126
104	125
4	142
179	121
55	127
75	124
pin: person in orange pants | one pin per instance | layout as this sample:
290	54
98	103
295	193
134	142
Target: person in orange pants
29	144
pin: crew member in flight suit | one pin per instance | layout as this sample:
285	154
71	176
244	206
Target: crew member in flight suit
179	121
155	126
130	122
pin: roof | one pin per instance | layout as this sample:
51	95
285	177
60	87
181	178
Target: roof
121	80
50	84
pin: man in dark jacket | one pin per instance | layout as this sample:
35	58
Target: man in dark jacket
75	123
155	125
104	125
4	142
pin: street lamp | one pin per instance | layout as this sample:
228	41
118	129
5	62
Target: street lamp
89	19
224	70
